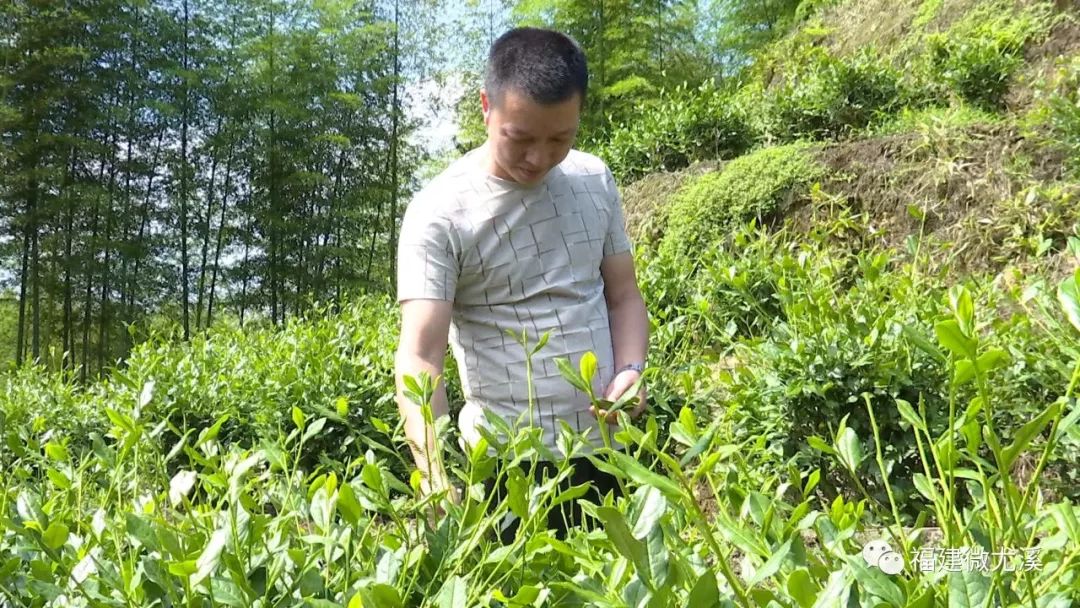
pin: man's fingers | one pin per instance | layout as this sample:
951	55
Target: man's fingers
611	417
613	391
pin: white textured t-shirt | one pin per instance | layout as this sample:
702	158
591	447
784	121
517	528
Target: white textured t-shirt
512	257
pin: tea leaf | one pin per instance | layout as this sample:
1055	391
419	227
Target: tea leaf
772	566
705	593
836	591
388	567
542	342
1070	419
624	466
183	569
180	485
923	343
651	506
60	480
623	540
56	452
850	449
659	558
587	366
314	429
801	587
572	493
211	433
55	535
951	336
211	556
453	594
412	385
702	444
571	376
1068	295
963	308
741	538
877	583
147	394
987	362
907	412
968	589
922	484
517	492
348	506
819	444
812	481
1028	432
141	531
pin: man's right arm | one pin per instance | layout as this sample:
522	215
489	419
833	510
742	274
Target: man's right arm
425	326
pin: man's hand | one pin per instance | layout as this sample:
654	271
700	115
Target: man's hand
621	383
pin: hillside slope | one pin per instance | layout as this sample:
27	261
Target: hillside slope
991	182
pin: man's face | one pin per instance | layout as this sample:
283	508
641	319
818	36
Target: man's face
527	139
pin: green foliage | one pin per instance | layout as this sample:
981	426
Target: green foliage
809	391
928	11
471	132
824	97
1056	118
791	333
808	8
242	526
746	26
936	119
707	210
681	126
976	57
254	377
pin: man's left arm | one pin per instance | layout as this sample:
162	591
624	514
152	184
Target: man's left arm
629	323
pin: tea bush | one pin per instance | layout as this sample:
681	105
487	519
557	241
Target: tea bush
977	56
707	210
1055	119
242	525
843	337
824	97
698	309
682	126
247	378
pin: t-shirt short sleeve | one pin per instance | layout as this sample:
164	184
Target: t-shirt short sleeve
427	262
615	241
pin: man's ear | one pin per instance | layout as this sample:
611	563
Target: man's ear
485	105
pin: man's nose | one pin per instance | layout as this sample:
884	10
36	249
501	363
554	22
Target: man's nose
536	157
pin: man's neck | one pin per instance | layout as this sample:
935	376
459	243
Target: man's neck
487	162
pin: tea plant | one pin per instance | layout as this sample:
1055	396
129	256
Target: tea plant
696	525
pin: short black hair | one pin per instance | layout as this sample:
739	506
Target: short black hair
546	65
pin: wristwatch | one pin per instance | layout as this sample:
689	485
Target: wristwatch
637	367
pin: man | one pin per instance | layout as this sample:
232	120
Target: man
521	233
